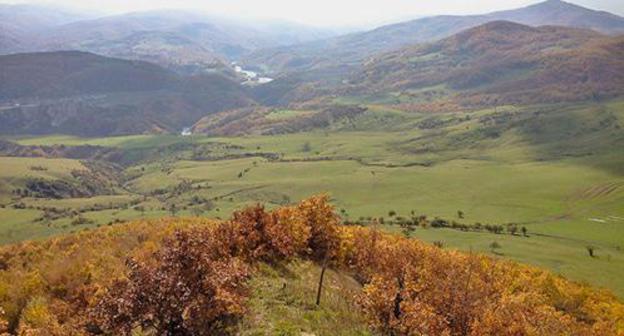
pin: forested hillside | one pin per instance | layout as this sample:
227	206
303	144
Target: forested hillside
502	63
80	93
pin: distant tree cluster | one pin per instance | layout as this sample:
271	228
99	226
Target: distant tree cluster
410	223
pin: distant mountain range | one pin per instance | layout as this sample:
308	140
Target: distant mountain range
497	63
170	70
189	41
340	52
85	94
181	40
18	23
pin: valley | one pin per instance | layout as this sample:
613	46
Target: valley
566	193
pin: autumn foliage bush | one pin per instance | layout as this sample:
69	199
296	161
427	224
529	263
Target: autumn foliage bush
4	325
412	288
193	288
189	277
257	235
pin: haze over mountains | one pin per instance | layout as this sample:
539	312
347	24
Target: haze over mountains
18	23
351	49
86	94
550	52
180	39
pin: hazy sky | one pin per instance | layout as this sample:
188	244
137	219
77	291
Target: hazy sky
321	12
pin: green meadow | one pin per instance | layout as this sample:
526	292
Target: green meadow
557	170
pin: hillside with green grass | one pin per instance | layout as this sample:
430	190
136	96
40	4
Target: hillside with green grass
555	170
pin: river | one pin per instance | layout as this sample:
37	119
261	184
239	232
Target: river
251	76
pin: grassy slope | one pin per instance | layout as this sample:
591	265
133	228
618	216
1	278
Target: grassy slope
535	194
558	172
16	170
282	303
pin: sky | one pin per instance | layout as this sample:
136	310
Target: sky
320	12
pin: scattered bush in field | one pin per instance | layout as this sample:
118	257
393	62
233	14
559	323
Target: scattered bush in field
408	227
591	251
19	205
439	223
38	168
140	209
495	246
197	211
173	209
81	221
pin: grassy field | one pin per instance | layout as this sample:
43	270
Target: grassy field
282	303
547	198
557	170
285	114
17	170
142	141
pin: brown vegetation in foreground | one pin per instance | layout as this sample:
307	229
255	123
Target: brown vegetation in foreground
189	277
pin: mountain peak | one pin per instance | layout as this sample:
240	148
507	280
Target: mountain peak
556	4
562	13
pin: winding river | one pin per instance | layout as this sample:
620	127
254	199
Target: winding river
251	76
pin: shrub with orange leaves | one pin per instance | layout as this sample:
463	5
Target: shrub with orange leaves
37	320
246	235
320	216
67	272
257	235
288	232
4	324
411	288
191	289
